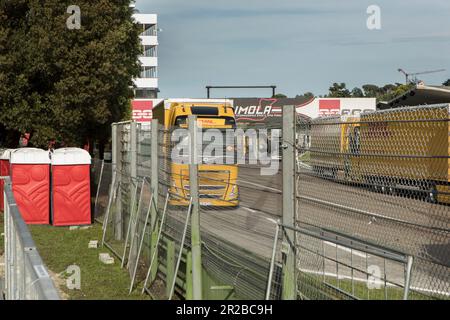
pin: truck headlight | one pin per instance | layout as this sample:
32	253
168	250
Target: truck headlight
233	192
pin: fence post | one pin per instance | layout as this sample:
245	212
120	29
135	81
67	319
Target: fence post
154	252
133	168
189	275
289	193
133	150
196	243
170	265
154	170
117	167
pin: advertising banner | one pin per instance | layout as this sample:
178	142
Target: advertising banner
142	109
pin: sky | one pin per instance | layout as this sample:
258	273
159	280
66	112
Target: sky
298	45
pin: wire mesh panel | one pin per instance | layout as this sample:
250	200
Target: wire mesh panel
139	232
230	259
143	151
102	190
112	223
381	177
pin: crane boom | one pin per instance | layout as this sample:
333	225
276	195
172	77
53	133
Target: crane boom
408	76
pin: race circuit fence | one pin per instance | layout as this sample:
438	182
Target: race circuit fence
26	276
356	209
381	178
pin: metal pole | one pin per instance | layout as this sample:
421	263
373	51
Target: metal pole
99	185
114	147
117	166
196	243
133	216
172	288
154	169
289	256
408	277
133	150
157	243
272	262
133	172
133	277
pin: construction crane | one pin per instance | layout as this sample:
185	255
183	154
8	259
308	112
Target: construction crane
412	77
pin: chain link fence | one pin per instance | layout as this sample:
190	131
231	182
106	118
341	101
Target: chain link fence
369	198
380	178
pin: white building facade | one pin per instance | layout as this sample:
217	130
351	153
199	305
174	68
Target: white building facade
147	82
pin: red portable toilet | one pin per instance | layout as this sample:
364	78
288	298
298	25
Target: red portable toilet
30	177
4	171
71	187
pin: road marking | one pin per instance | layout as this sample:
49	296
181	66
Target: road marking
356	253
272	220
340	277
330	274
260	186
251	210
445	293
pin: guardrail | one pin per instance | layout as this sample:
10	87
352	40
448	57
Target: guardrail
26	276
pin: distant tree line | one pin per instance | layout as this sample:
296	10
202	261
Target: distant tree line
381	93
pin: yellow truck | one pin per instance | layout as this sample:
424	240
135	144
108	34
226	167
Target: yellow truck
217	182
400	150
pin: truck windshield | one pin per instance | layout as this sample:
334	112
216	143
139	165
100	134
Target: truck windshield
217	146
210	111
182	120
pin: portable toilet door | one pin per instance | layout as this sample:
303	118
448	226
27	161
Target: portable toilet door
4	172
71	187
30	177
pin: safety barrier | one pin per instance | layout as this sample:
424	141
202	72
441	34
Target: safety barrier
26	276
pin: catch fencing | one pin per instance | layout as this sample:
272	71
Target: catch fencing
380	178
26	276
340	208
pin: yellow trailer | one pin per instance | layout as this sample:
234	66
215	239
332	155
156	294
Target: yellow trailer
402	149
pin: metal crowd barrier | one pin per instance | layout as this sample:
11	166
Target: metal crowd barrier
26	276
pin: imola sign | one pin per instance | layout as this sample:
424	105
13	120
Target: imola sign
270	110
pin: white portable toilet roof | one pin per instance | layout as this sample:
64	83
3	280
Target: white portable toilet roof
6	154
29	156
70	156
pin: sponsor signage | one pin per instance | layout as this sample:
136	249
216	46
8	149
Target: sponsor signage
267	110
270	110
329	107
261	110
142	109
322	107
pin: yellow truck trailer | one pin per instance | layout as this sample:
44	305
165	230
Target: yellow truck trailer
217	182
404	149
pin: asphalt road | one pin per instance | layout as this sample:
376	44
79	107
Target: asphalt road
410	226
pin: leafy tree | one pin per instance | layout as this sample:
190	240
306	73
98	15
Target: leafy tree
371	90
308	95
399	90
339	90
63	84
279	96
447	83
357	93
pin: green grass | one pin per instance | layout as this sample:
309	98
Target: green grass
60	247
305	157
314	287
